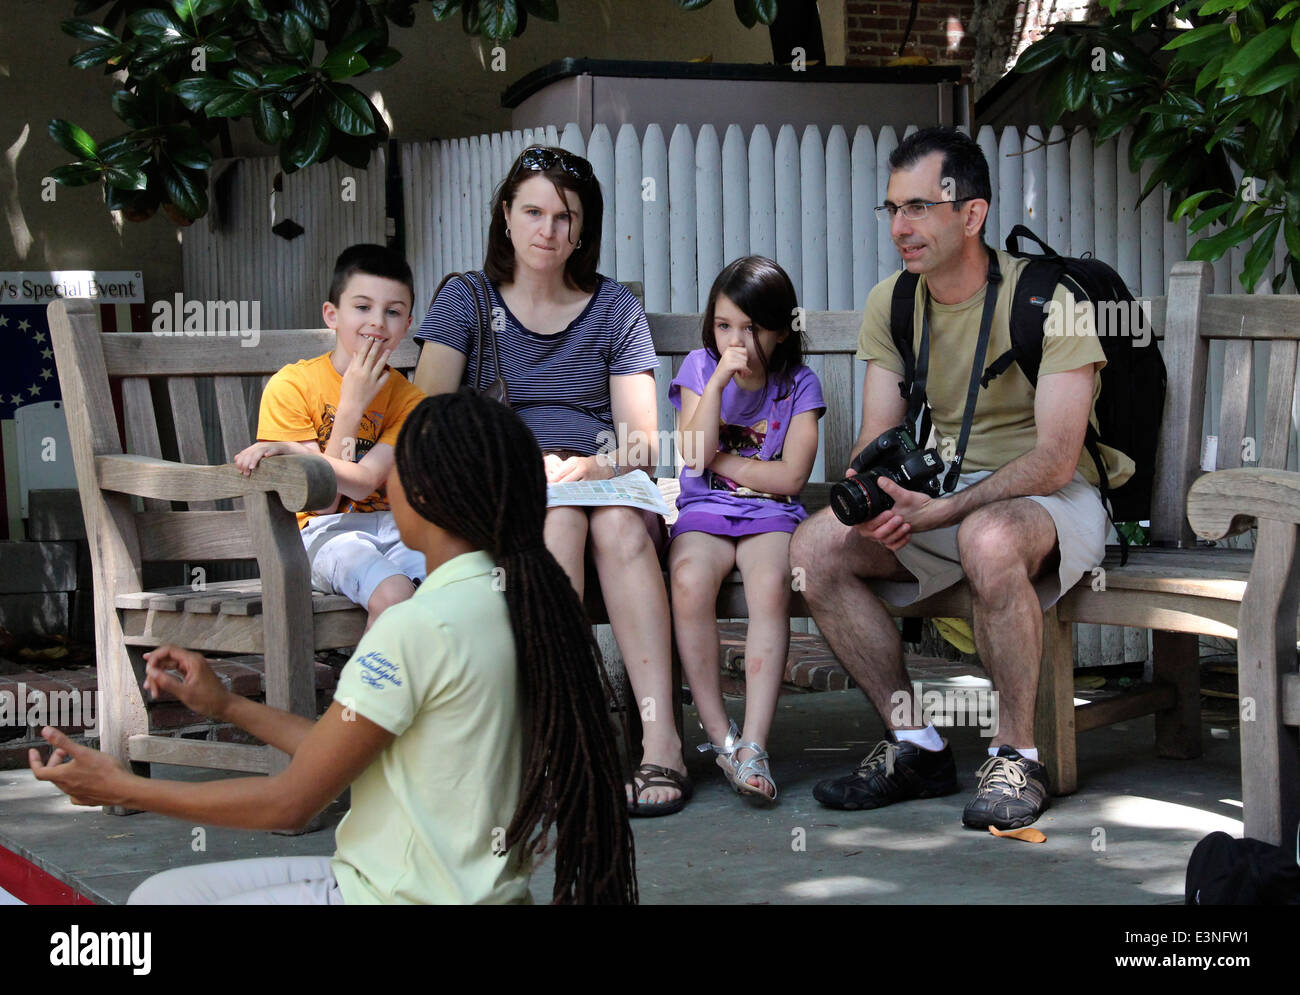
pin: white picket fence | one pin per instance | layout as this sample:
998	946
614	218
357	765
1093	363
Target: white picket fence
678	208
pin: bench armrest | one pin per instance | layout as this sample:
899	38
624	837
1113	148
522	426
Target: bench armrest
1225	501
301	482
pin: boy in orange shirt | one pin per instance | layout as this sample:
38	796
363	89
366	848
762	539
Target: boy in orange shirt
347	407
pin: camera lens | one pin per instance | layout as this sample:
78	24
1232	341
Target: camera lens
856	499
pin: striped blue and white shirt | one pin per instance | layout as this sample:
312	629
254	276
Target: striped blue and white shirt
558	383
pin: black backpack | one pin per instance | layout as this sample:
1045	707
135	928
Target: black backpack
1133	381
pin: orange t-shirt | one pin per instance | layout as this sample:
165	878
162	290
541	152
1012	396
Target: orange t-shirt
299	404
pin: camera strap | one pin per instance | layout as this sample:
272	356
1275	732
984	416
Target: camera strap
977	367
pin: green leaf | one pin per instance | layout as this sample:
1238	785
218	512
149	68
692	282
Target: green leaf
1295	38
156	23
194	156
77	174
1188	205
693	4
355	42
471	17
443	9
1271	80
499	18
126	179
88	31
342	65
272	121
93	56
1292	235
1257	259
1040	54
549	10
280	75
350	111
243	77
1286	9
1256	52
764	10
314	12
311	136
1207	218
745	11
298	37
255	10
1197	34
185	190
197	91
1144	11
72	139
1210	73
1215	6
1075	86
237	104
387	57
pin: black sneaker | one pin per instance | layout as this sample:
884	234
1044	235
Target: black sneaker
1012	792
892	772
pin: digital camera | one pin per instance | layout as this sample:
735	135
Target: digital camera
893	454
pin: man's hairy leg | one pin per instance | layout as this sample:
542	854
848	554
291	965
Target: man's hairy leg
1003	547
860	630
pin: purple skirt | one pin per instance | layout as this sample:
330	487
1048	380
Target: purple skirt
730	526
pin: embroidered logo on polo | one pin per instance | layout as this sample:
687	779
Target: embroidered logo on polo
377	670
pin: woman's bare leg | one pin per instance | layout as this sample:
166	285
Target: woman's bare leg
632	586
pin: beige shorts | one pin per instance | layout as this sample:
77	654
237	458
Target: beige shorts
1081	529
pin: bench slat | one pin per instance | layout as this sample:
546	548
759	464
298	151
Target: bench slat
142	436
233	410
1238	364
134	354
194	535
837	423
184	396
1274	445
243	757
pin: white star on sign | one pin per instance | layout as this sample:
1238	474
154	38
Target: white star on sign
47	353
46	374
3	321
24	325
39	336
35	389
15	398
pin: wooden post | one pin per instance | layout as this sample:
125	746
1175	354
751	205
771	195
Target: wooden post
1054	712
1270	751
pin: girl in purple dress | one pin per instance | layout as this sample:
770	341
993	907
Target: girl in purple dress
748	436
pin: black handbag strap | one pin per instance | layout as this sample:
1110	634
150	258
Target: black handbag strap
484	333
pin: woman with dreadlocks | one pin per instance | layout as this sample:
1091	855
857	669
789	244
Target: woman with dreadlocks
477	704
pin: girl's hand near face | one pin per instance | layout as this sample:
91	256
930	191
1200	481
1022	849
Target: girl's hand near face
733	361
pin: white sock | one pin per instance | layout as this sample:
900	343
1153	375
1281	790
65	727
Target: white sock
927	738
1030	753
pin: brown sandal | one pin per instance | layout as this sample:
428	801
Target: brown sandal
654	776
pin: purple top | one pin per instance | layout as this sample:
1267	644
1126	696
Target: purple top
754	424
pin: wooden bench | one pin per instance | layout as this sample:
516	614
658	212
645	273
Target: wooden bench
1171	587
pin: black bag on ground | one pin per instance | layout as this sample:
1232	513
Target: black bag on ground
1227	871
1133	382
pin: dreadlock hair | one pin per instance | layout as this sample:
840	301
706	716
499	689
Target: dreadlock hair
472	467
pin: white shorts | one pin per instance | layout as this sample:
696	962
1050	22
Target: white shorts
261	881
1081	528
353	553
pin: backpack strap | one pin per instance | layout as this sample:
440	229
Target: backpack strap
902	327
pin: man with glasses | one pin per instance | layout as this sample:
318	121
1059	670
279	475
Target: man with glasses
1023	519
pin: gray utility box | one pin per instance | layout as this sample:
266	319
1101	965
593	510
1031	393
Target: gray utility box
614	93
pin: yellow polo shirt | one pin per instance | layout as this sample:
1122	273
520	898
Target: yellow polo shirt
437	671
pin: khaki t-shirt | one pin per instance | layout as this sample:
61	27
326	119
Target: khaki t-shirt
1003	425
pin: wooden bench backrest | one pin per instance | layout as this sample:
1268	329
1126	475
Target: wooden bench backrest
1254	329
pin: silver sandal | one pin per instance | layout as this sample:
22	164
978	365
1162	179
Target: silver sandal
738	773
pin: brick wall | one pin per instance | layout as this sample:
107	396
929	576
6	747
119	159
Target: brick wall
943	31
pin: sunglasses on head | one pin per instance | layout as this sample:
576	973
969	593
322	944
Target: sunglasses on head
543	159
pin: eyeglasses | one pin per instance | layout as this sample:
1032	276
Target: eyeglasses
914	210
542	159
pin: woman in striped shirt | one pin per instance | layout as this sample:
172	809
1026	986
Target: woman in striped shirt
575	350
